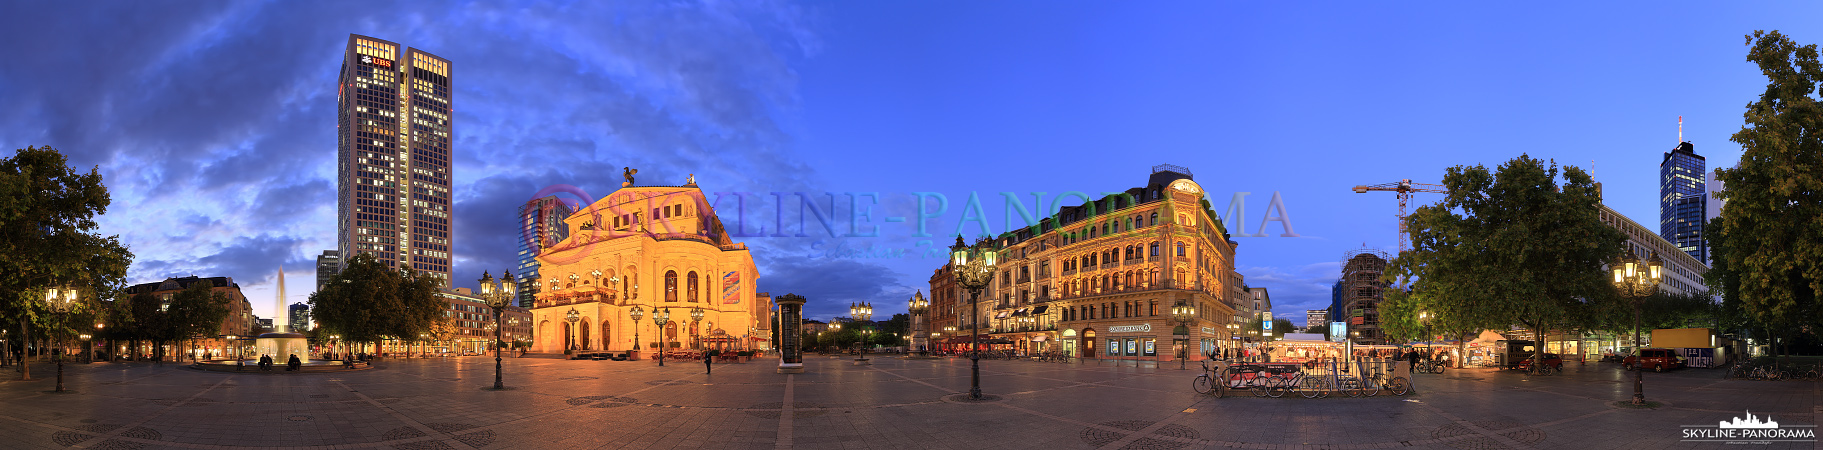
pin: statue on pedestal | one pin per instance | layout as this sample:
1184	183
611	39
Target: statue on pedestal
628	172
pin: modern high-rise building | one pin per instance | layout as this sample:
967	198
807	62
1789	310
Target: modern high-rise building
299	316
540	226
328	265
393	137
1683	202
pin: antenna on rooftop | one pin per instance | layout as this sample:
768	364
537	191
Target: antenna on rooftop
1680	129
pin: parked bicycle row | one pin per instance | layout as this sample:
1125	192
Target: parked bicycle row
1315	378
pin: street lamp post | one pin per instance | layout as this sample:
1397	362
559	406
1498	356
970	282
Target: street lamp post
696	317
498	297
862	312
1637	280
60	302
949	330
570	339
974	268
918	307
660	317
637	314
1184	313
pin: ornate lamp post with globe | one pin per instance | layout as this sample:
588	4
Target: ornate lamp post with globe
660	317
570	340
637	314
920	336
696	317
498	295
862	312
974	268
60	301
1636	281
1184	313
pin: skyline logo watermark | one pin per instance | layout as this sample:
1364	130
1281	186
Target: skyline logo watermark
1751	429
649	214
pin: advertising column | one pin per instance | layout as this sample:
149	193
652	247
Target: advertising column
791	324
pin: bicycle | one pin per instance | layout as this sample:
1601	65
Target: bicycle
1429	366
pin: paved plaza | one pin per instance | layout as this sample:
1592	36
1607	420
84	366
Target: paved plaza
893	403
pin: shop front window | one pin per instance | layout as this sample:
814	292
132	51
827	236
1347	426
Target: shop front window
1132	347
1151	347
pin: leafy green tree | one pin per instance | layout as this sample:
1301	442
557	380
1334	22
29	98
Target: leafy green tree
1775	194
1318	329
1507	247
195	311
48	238
1280	327
368	302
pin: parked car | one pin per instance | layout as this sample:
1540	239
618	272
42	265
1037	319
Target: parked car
1658	359
1550	360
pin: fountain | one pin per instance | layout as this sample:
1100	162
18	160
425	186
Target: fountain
280	346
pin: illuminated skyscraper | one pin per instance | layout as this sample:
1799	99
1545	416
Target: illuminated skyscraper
1683	201
393	138
540	226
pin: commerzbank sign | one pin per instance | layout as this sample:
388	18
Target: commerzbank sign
1130	328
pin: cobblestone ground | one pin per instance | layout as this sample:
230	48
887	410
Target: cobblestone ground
893	403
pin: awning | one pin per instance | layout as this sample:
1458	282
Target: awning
1040	309
1487	337
1002	314
1040	338
1018	313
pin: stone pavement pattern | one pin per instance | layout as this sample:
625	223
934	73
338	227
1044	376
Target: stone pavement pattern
894	403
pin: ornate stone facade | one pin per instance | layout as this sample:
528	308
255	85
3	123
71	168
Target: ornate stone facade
1109	271
657	248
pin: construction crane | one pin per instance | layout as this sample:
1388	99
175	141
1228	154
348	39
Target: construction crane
1404	189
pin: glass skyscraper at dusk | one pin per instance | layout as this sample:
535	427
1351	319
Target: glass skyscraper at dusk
540	226
1683	201
393	138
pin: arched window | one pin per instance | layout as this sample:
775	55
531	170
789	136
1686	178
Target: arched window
1180	249
1155	219
670	285
692	286
1154	249
1104	228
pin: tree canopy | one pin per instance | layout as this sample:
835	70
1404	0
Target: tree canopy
369	302
1507	247
1773	253
48	237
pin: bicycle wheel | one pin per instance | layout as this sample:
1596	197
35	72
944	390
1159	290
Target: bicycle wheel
1275	387
1202	385
1399	386
1310	387
1258	386
1372	386
1354	387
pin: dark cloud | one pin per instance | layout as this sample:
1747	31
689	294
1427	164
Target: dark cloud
830	284
222	114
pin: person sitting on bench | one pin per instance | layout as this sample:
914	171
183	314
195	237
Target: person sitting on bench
294	363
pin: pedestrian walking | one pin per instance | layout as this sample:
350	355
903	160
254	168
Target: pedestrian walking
709	360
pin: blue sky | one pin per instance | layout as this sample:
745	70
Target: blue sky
213	122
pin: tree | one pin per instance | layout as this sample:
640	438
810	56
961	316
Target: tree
197	310
1317	329
1774	245
1281	326
48	238
368	302
1507	247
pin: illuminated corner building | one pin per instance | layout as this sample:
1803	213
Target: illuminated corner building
1683	201
540	226
393	138
1099	280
